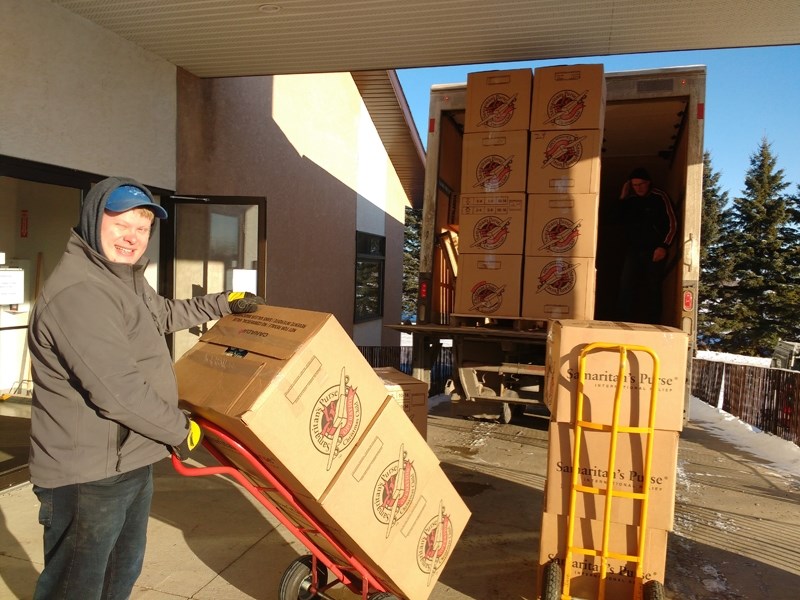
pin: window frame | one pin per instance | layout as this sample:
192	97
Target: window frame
370	250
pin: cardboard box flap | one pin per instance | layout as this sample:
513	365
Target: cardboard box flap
270	331
210	377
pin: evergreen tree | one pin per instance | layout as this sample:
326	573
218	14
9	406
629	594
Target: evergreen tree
758	297
713	265
791	324
411	246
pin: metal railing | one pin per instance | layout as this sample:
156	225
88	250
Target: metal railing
760	396
399	357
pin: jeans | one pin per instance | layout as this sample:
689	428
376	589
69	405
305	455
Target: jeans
94	537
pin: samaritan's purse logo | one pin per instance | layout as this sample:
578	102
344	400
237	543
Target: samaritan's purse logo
565	107
394	491
557	278
497	110
490	232
560	235
493	172
564	151
435	543
335	419
487	297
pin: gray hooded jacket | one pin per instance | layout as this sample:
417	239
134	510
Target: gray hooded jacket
105	397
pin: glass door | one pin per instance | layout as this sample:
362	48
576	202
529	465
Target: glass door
211	244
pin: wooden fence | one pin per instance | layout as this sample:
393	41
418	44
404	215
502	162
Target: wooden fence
763	397
399	357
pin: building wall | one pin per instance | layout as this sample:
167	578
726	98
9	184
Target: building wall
306	143
77	96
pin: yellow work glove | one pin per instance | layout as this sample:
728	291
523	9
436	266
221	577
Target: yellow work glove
194	435
244	302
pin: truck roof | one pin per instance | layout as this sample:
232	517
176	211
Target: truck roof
440	87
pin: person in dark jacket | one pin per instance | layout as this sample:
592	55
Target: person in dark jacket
105	399
649	225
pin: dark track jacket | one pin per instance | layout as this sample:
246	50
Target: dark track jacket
105	397
649	221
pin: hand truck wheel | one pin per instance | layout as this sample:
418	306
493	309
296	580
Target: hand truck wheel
383	596
653	590
551	581
297	578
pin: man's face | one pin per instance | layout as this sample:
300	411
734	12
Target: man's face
640	186
124	236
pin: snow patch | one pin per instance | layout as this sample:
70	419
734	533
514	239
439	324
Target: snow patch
736	359
778	453
717	584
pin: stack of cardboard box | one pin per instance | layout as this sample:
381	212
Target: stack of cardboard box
530	182
292	387
566	340
567	118
491	215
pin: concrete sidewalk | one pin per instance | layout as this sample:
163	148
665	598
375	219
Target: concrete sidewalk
737	528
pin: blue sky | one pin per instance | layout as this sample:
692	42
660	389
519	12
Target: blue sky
750	93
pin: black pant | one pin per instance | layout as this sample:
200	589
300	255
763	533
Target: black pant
640	298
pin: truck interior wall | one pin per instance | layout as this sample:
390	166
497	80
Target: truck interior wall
444	299
668	174
450	137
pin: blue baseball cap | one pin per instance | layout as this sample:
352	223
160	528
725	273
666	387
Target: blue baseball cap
126	197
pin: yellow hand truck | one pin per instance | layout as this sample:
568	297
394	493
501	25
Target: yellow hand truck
556	579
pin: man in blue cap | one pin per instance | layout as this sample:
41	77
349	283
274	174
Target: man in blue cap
105	399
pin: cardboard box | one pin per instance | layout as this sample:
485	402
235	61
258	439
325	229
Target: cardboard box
289	384
385	503
395	508
410	393
562	225
627	476
584	571
492	223
489	285
568	97
494	161
567	338
498	100
564	162
557	288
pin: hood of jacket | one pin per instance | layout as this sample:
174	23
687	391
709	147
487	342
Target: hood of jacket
94	204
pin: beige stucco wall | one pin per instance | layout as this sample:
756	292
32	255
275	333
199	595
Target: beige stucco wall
307	144
78	96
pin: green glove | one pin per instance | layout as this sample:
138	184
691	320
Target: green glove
244	302
194	436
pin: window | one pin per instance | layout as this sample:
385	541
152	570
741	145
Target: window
370	259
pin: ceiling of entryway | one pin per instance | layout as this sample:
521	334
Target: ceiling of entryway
225	38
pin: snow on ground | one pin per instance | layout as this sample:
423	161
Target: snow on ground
780	454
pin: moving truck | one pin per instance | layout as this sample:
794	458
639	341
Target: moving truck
653	119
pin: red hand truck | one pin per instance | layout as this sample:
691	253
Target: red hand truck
307	577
